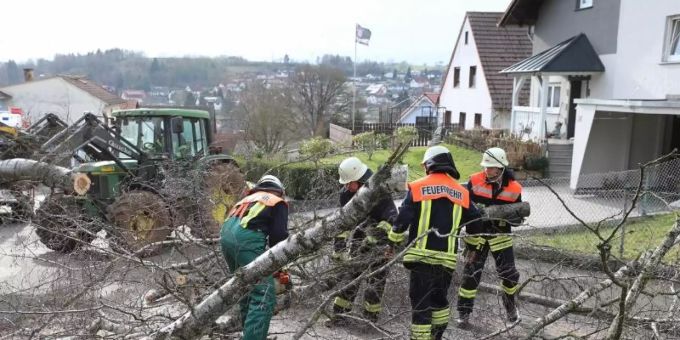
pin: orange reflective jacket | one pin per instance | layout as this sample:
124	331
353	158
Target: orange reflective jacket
481	188
439	185
263	197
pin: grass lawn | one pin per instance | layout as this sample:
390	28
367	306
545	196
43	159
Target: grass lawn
641	234
467	161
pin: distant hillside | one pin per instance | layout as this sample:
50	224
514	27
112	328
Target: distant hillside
124	69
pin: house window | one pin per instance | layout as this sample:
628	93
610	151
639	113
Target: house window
466	37
461	120
473	75
478	120
447	117
456	76
554	95
583	4
672	41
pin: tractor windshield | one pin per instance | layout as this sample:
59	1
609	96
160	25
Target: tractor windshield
191	141
147	133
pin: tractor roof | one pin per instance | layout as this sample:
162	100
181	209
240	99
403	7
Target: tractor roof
162	112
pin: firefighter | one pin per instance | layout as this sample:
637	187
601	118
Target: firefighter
434	209
368	243
495	185
257	221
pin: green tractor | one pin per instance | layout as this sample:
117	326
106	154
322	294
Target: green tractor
143	175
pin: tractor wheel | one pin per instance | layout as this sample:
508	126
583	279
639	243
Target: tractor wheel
60	224
223	186
139	219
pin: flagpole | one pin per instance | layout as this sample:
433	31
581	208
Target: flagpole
354	80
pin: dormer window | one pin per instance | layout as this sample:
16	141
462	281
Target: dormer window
583	4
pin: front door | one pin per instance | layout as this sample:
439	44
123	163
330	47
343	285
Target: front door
574	93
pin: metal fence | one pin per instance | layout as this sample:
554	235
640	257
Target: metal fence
425	130
603	197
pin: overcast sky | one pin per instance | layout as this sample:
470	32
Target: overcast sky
417	31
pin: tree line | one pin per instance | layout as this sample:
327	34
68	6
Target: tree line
124	69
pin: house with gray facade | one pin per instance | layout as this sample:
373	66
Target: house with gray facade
605	81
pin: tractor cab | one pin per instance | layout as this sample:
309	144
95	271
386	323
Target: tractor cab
166	133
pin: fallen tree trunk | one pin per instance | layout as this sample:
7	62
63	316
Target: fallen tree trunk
19	169
197	321
194	323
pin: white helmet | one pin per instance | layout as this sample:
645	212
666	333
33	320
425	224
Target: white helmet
434	151
351	169
269	182
494	158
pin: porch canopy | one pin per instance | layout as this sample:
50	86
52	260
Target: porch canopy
572	57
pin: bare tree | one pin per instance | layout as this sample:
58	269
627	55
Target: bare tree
268	115
315	90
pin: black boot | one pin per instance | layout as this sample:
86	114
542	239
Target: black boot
511	308
438	331
372	317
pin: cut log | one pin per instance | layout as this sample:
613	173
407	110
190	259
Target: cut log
19	169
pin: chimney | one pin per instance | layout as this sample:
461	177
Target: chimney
28	74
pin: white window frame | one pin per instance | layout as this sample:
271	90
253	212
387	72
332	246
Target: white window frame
672	40
583	4
551	95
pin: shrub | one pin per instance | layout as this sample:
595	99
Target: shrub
369	142
302	180
316	148
406	134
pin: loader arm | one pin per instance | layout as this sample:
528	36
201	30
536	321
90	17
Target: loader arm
45	124
98	141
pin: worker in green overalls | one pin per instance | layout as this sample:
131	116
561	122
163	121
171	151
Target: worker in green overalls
257	221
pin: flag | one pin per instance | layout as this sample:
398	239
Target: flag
363	35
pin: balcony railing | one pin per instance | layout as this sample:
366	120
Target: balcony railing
528	118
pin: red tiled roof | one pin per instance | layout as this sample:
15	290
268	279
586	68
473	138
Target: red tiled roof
498	48
429	96
93	89
434	97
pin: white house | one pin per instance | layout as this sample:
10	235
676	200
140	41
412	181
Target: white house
473	93
66	96
612	68
423	110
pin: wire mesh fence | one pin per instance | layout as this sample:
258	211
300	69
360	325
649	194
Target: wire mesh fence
602	197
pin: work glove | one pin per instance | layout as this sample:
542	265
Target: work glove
282	276
389	252
282	281
385	226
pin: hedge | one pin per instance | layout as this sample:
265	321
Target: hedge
302	180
